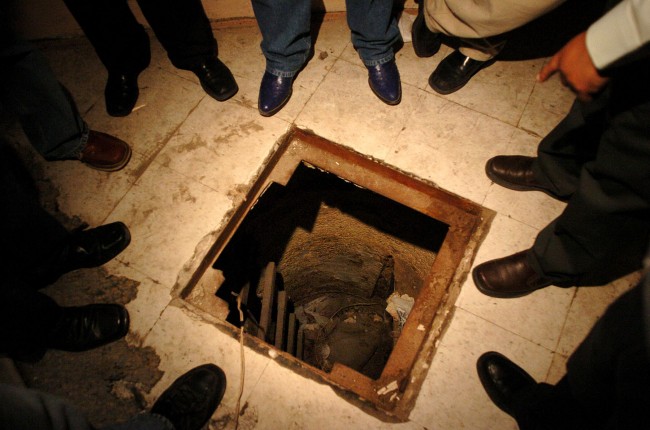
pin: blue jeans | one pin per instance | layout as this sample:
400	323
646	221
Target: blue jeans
26	409
285	26
29	89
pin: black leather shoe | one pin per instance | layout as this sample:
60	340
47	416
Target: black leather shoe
95	246
508	277
426	43
192	399
216	79
275	92
87	327
454	71
503	380
385	82
121	93
515	172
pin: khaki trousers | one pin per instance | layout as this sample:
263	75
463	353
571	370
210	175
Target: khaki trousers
478	19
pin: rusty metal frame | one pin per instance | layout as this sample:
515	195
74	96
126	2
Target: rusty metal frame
393	395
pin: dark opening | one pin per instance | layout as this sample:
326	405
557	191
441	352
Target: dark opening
328	271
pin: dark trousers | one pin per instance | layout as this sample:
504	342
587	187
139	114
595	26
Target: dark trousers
29	89
33	244
121	43
607	384
599	157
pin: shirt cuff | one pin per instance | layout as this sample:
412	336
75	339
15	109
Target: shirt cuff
613	36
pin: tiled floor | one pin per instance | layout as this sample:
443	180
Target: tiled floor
194	159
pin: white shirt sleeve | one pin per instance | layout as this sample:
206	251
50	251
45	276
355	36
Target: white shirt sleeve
619	32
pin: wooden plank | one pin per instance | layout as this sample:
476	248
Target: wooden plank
299	340
291	334
281	321
267	285
249	324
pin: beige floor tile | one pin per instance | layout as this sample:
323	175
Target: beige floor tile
589	304
344	109
415	71
248	92
222	145
532	208
146	308
305	84
557	370
183	341
165	102
75	189
452	396
500	91
277	403
87	193
192	155
168	214
548	105
449	145
239	49
333	36
538	317
350	55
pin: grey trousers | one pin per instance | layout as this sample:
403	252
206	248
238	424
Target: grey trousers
478	19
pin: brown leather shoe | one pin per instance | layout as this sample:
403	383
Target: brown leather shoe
508	277
105	152
515	172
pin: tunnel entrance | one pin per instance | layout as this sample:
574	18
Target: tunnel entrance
328	270
343	267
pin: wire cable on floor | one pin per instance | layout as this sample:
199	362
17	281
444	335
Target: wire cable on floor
243	366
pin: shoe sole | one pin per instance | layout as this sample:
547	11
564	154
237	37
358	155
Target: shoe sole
496	294
388	102
222	98
119	114
518	187
278	107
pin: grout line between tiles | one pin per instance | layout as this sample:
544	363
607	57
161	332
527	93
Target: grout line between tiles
503	328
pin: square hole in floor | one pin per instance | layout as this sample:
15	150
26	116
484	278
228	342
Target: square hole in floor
345	269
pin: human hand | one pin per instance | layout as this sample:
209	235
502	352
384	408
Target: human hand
576	69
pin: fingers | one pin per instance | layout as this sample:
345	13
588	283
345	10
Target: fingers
549	69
